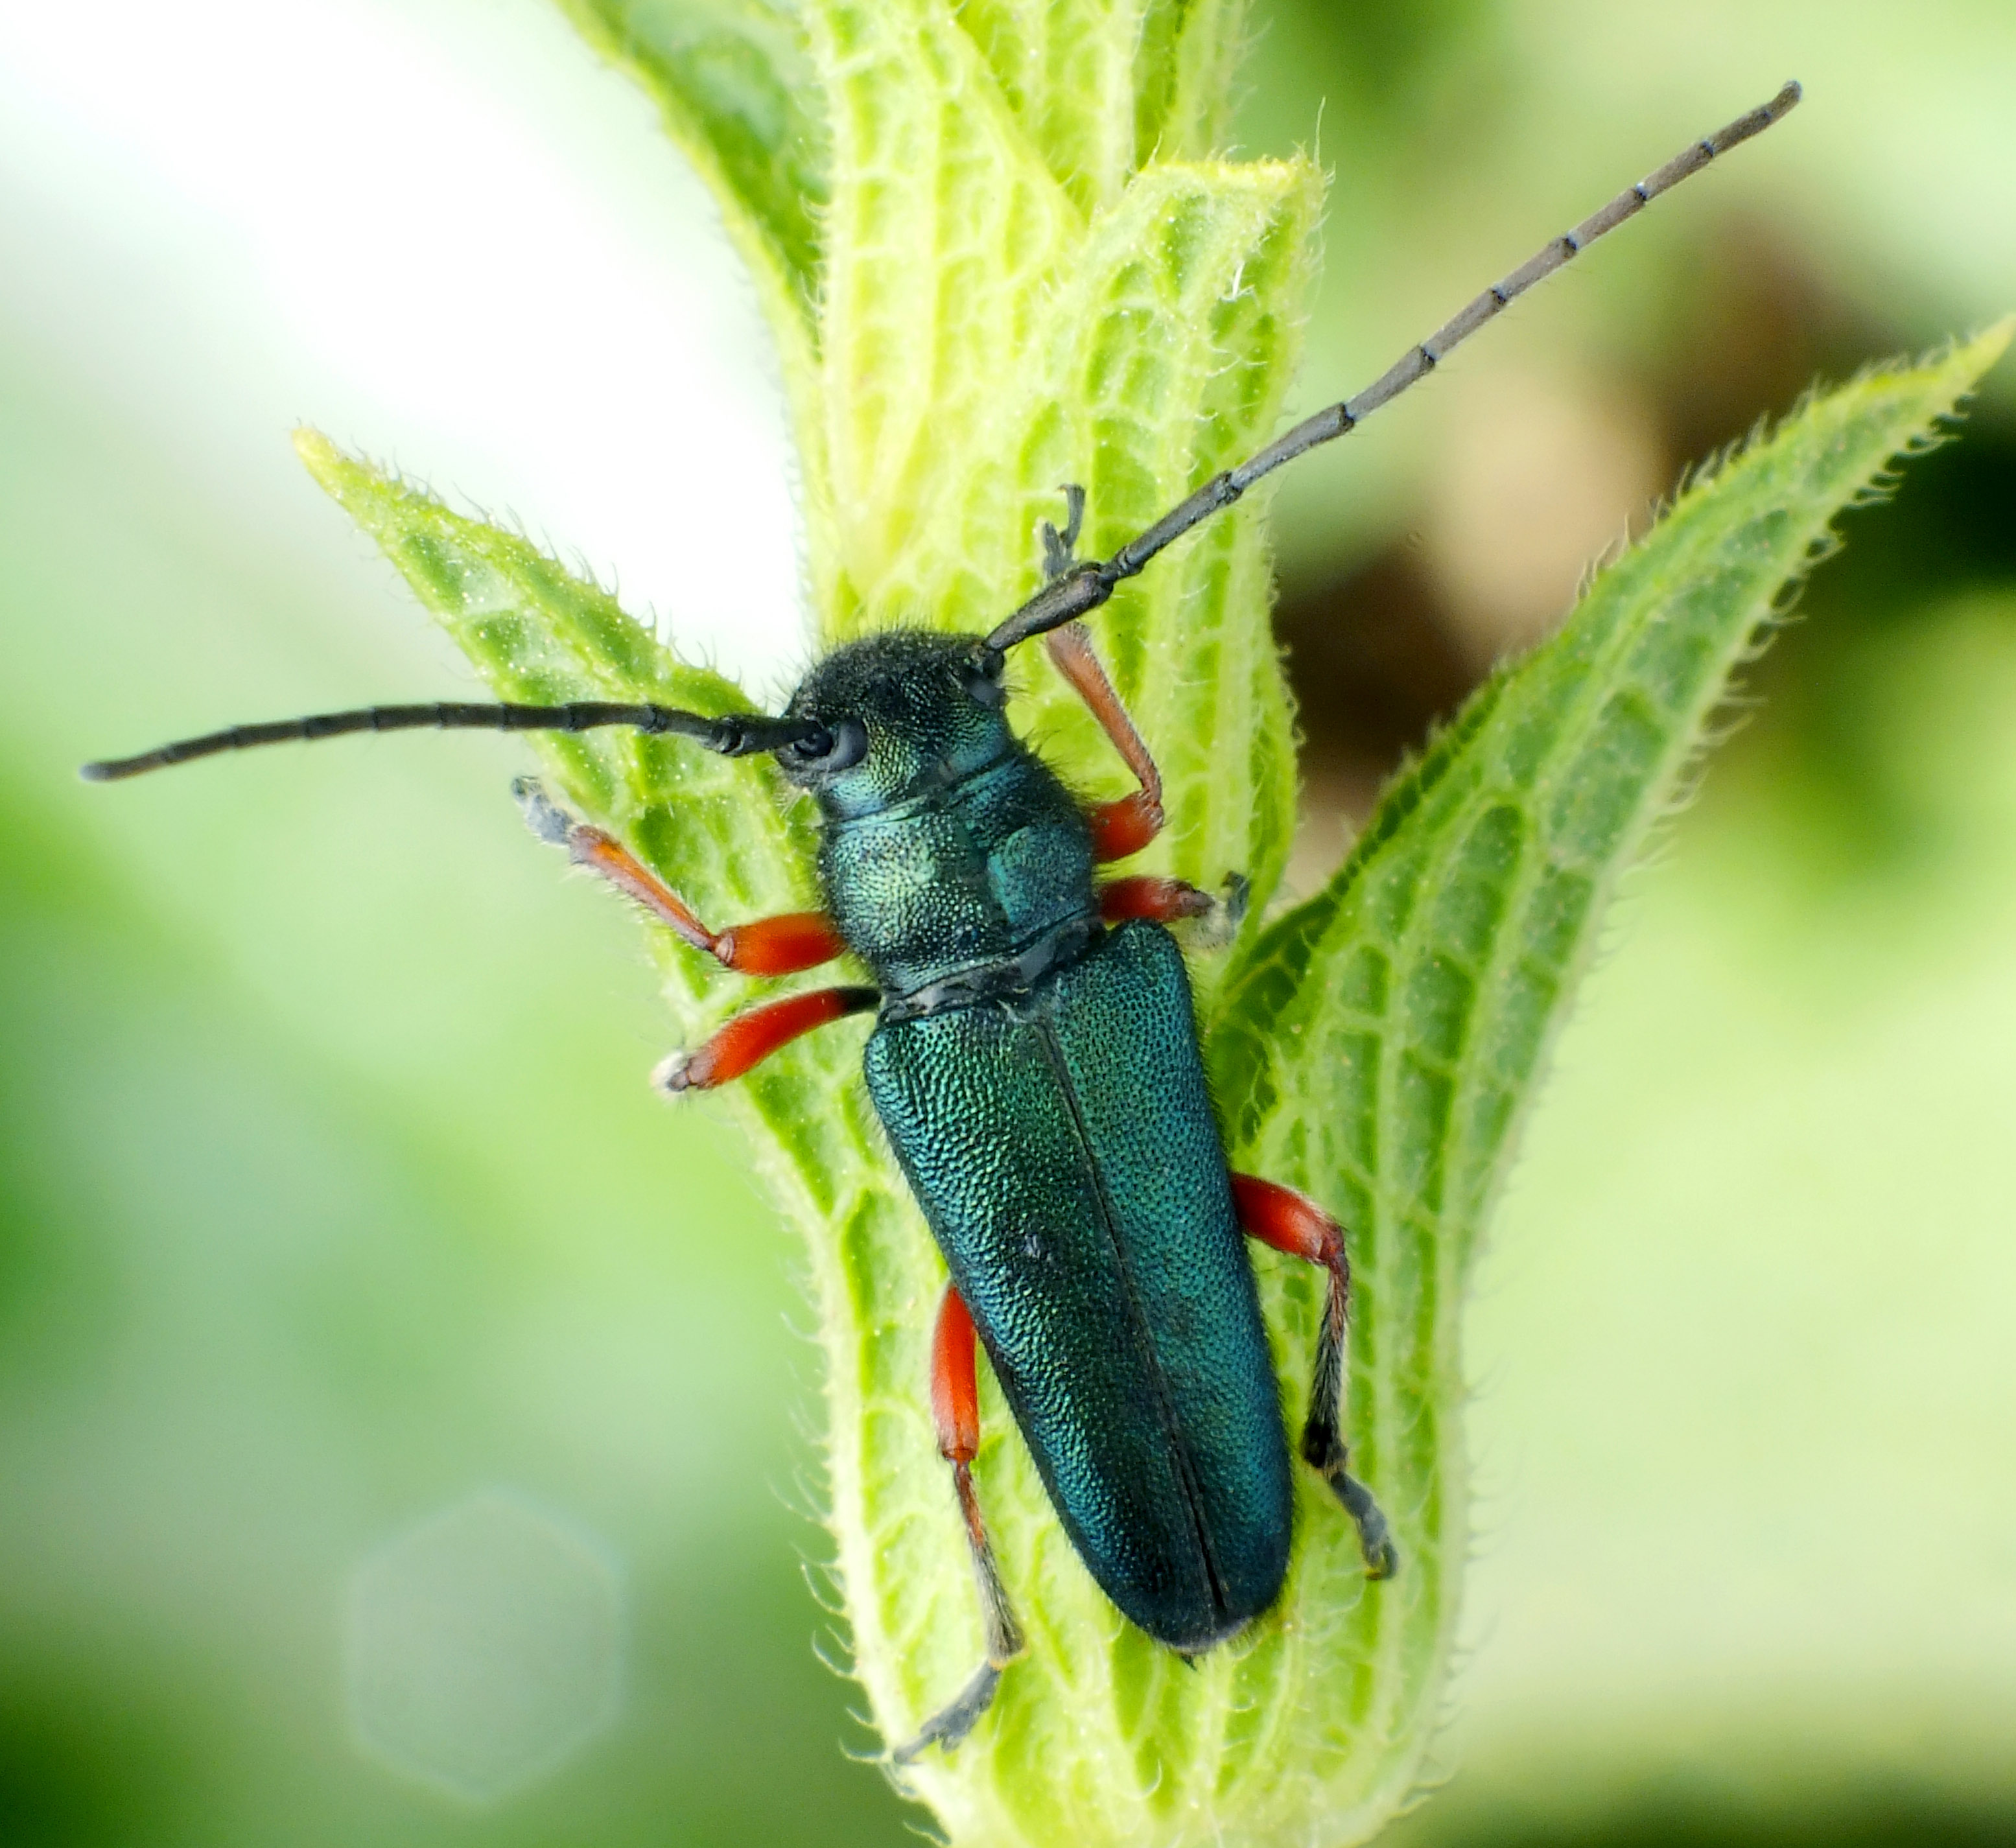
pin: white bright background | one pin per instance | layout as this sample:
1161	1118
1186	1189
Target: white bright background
445	234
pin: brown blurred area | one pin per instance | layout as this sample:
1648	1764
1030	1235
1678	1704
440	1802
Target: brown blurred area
1543	468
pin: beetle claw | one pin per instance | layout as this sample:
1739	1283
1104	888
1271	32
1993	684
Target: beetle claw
1219	924
671	1073
1059	547
947	1728
543	815
1375	1538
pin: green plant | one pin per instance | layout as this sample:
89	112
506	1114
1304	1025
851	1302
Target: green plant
999	253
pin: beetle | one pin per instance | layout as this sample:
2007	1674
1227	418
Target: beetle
1035	1060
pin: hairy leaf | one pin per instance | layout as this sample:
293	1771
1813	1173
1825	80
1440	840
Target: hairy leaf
1378	1043
1101	89
716	829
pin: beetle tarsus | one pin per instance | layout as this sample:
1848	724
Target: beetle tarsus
543	815
947	1728
669	1074
1325	1450
1058	547
1375	1538
1219	925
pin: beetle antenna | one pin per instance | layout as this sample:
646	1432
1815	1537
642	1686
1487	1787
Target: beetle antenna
1086	586
733	734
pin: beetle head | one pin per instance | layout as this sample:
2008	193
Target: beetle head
904	711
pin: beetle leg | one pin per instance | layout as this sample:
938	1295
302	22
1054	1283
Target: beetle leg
955	1411
764	946
1149	896
1280	1217
751	1038
1168	901
1127	826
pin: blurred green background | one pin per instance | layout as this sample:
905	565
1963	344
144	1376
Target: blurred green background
401	1417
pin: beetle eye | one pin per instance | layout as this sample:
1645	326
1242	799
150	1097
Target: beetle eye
846	745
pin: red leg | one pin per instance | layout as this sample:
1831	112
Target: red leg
955	1383
956	1412
1127	826
751	1038
765	946
1290	1222
1145	895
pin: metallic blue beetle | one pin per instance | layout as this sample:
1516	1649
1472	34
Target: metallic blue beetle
1034	1062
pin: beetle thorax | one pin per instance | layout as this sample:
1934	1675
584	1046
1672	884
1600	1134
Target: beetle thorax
953	858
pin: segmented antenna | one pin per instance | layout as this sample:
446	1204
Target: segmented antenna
1079	589
1087	586
735	734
